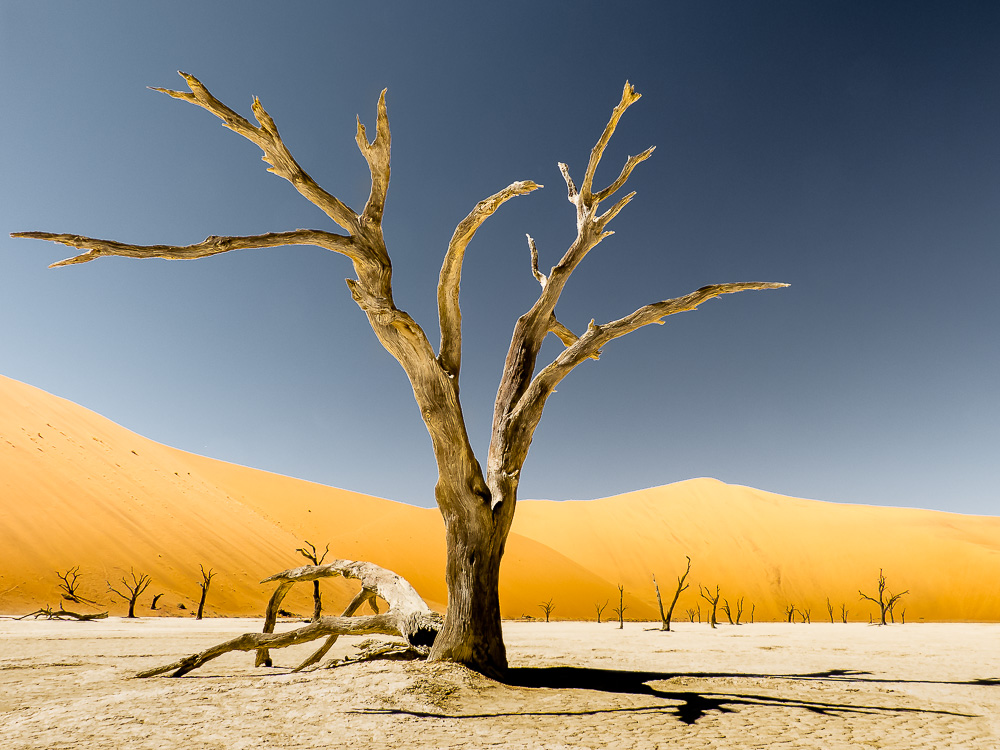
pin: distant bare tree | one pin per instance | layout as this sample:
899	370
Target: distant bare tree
155	600
726	609
691	614
547	608
600	609
843	613
316	559
681	586
790	612
902	616
135	587
886	599
729	612
752	608
70	582
620	609
699	612
806	614
206	580
707	595
829	609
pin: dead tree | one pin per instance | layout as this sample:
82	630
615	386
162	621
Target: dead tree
806	615
681	586
156	598
135	587
712	599
478	509
829	609
70	582
408	616
790	612
752	608
620	609
886	599
316	559
206	581
547	608
843	613
600	609
691	613
729	614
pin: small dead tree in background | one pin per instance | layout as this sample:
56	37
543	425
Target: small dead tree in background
620	609
790	612
729	612
681	586
691	613
547	608
752	608
886	599
806	614
843	613
135	587
313	556
706	594
206	581
70	582
829	609
600	609
155	600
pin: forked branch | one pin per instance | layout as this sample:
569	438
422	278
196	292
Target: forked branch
265	135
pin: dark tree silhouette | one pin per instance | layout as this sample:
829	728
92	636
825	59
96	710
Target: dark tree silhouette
806	615
620	609
712	599
600	609
829	609
843	613
316	559
206	581
155	600
477	507
547	607
681	586
70	581
135	587
886	599
790	612
729	614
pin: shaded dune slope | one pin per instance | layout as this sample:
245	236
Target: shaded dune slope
77	489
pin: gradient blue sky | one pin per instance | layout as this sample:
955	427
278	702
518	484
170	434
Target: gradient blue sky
851	149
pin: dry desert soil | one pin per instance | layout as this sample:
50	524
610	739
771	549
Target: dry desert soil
572	685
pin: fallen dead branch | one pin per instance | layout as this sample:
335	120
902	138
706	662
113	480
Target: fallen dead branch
408	616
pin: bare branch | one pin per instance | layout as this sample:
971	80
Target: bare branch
209	246
629	97
567	336
571	190
376	154
449	312
540	277
530	405
276	154
623	177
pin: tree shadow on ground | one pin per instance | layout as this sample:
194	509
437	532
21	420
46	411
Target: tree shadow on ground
688	706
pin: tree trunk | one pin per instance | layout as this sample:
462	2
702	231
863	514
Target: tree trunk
472	633
317	602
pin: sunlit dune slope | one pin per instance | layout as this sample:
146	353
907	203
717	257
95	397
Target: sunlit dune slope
77	489
775	550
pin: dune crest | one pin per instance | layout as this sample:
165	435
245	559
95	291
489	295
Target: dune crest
78	489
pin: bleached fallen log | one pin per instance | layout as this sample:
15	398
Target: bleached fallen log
408	616
62	614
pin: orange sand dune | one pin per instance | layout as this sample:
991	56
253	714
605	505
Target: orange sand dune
77	489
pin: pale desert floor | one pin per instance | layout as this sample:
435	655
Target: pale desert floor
578	685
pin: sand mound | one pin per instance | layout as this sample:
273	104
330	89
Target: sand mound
79	490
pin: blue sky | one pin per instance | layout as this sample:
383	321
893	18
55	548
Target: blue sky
851	149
